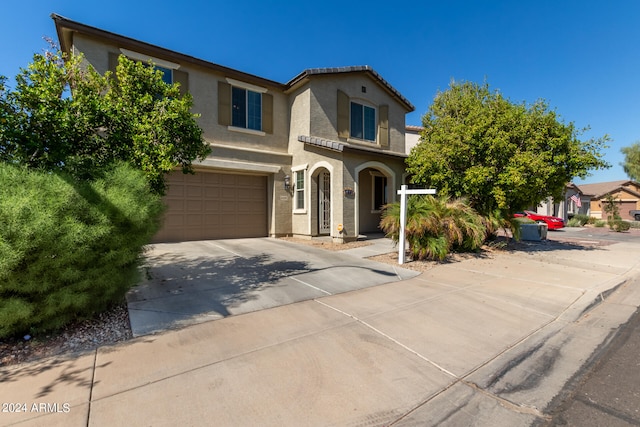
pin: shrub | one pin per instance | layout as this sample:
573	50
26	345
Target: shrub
619	225
579	219
574	222
436	226
523	220
69	249
497	220
600	223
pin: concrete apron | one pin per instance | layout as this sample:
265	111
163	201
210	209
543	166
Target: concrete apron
482	342
192	282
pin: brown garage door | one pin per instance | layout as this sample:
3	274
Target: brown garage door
625	207
211	205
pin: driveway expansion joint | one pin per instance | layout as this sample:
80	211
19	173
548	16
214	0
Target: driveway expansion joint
395	341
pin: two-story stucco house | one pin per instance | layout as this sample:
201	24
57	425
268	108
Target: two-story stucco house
317	155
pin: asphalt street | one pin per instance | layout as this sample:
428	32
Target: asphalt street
606	391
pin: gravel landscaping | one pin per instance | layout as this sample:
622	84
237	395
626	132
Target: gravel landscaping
106	328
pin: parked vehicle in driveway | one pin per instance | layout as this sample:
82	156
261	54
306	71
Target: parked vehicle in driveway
635	214
553	222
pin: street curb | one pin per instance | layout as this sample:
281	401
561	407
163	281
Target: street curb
556	405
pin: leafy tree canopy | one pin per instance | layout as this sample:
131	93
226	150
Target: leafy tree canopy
63	115
631	164
502	156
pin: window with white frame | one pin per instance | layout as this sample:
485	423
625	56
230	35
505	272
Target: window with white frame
379	198
363	122
246	108
299	190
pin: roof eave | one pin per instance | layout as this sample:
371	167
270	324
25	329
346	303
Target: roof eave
66	27
305	75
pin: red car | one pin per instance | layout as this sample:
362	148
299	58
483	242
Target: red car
553	222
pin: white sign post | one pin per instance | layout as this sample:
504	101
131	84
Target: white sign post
403	192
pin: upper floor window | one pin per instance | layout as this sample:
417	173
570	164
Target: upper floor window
246	106
171	72
363	122
167	74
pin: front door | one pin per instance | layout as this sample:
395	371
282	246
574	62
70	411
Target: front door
324	203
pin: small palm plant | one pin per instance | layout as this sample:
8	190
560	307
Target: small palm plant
497	220
436	226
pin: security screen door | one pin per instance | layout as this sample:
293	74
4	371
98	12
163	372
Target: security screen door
324	203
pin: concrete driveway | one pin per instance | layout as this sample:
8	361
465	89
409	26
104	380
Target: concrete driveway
487	341
192	282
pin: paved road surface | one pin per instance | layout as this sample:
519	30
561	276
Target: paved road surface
607	392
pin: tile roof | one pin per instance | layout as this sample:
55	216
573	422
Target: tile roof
65	27
602	188
332	145
352	69
340	146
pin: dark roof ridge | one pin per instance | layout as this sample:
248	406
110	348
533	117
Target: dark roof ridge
64	23
61	21
599	189
352	69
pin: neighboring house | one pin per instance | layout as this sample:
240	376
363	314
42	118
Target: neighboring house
318	155
412	137
573	202
625	192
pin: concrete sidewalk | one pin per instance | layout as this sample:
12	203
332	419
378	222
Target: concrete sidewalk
483	342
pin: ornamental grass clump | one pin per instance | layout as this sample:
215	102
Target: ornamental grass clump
436	226
69	249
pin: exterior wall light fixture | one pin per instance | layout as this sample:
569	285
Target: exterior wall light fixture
287	182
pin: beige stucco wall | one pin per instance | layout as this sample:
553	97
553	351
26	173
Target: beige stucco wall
241	151
315	160
324	106
203	85
310	109
358	167
411	140
314	113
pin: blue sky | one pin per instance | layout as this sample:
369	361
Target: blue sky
581	56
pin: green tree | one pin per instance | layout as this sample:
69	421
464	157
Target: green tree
610	206
83	158
631	164
63	115
502	156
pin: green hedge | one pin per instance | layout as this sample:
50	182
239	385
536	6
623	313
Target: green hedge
69	249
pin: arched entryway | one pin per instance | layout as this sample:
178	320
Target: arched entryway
321	208
376	183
